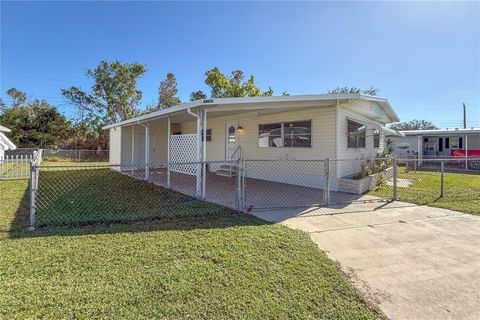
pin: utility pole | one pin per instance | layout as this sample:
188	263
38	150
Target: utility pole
464	116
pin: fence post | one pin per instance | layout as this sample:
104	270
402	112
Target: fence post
395	178
240	187
33	188
326	191
441	178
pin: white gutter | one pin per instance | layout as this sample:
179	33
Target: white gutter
189	111
251	100
393	132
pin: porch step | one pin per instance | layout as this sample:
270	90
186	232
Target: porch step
227	170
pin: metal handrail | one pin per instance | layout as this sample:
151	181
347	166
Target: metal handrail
238	149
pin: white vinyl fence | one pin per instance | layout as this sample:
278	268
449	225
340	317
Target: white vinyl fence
18	166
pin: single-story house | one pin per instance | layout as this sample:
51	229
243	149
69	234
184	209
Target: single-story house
5	142
302	127
438	143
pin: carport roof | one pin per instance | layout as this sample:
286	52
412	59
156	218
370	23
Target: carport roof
436	132
258	100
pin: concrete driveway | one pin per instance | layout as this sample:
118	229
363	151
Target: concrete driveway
413	262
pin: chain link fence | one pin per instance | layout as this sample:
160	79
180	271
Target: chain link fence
85	194
75	155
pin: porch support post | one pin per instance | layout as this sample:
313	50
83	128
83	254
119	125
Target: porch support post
420	149
169	131
466	152
147	134
133	148
199	155
204	155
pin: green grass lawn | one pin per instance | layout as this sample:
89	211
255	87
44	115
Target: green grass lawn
220	265
461	190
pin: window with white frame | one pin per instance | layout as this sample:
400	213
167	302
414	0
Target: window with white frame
356	134
294	134
376	139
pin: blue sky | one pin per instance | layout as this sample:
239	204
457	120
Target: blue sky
423	56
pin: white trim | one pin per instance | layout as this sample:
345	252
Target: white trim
4	129
214	103
441	132
7	143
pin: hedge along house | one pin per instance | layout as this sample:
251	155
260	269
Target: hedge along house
301	128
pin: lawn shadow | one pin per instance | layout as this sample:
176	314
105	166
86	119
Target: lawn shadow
14	205
81	201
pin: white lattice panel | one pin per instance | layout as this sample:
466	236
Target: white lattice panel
183	148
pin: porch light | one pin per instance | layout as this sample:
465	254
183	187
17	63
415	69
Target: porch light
239	128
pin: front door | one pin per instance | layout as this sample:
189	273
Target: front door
231	140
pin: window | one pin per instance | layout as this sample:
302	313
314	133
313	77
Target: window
295	134
440	144
376	139
356	134
209	135
447	143
460	143
403	146
425	139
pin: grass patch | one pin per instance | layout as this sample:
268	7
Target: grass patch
461	191
220	265
90	195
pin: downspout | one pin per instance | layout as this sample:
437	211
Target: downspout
199	141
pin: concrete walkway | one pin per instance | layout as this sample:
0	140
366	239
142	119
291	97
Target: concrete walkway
413	262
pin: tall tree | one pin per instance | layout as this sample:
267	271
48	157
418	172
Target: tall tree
167	92
413	125
223	86
35	124
370	91
197	95
114	95
18	97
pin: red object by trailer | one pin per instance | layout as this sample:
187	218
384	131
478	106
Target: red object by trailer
461	153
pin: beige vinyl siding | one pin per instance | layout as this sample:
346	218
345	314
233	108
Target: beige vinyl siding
115	146
158	132
323	134
345	166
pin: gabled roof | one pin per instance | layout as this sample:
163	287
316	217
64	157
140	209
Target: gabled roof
6	143
260	100
4	129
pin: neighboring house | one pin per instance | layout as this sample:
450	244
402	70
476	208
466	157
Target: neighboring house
5	143
306	127
438	143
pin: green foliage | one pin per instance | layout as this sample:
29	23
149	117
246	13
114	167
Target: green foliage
197	95
462	191
338	90
388	146
413	125
372	166
167	92
35	124
114	95
268	93
18	97
223	86
216	266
